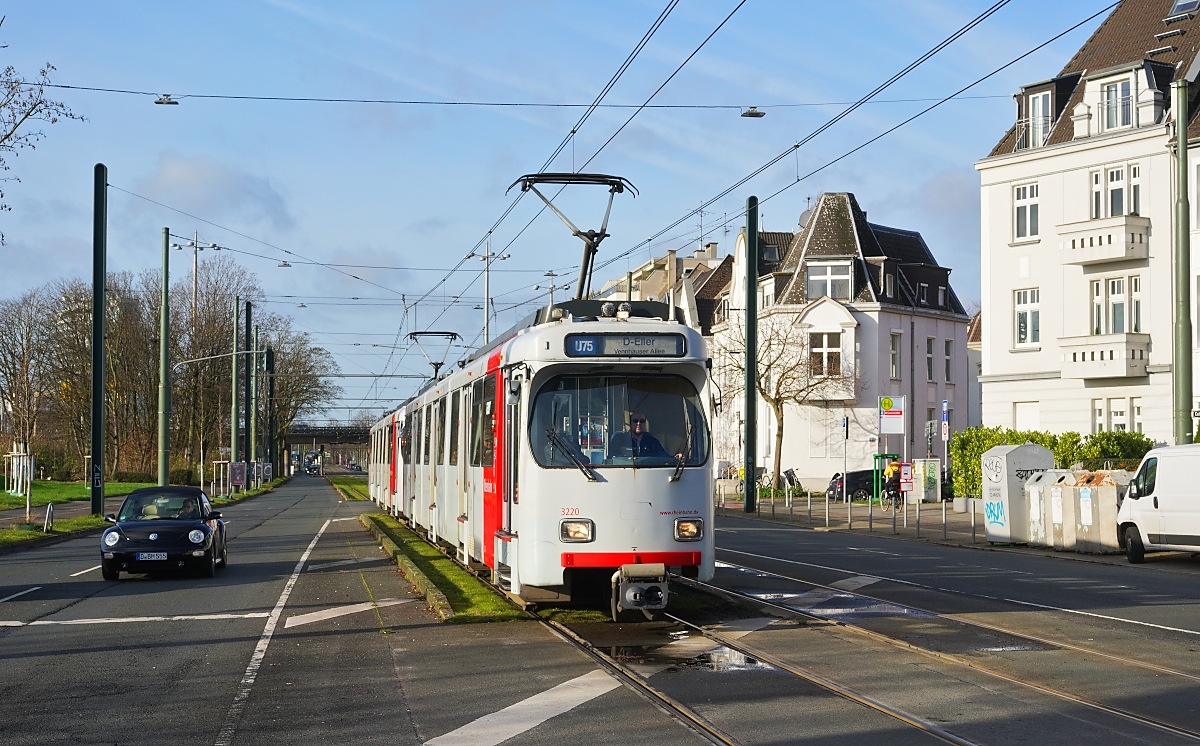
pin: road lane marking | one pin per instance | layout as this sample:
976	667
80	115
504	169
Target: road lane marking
225	737
968	593
84	572
356	560
22	593
339	520
129	619
853	584
514	720
337	611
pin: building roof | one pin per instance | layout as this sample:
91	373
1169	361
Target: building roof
1126	37
975	331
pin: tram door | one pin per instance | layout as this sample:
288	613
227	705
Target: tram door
458	471
512	450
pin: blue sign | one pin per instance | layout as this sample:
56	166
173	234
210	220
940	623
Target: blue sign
945	410
582	346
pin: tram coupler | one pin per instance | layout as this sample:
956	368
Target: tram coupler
641	587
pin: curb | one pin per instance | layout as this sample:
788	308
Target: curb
434	597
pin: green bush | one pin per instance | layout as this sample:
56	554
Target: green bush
182	476
132	476
968	446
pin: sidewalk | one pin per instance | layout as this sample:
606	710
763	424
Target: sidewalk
958	529
62	511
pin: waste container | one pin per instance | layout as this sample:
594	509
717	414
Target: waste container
1037	491
1099	493
1060	512
1005	469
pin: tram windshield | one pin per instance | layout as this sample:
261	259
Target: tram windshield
622	421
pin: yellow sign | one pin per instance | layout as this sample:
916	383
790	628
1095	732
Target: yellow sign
886	403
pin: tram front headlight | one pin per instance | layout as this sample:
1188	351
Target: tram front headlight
689	529
576	530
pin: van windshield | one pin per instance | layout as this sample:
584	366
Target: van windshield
618	421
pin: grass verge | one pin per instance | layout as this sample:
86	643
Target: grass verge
16	537
469	598
351	488
45	493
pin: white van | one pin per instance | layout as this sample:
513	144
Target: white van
1162	508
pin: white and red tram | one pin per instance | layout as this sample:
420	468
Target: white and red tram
522	459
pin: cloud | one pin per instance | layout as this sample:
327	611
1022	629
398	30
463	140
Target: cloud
209	188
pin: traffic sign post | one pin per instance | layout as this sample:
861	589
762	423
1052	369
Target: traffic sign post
945	440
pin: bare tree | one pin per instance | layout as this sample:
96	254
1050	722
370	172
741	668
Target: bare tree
24	382
789	369
23	103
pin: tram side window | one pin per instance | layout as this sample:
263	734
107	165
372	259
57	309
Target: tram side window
454	414
488	447
405	441
427	417
441	430
476	423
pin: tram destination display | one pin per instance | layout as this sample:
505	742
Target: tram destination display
625	345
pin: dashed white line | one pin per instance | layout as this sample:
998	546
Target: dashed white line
225	737
129	619
84	572
22	593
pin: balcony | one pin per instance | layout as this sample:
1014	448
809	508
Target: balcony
1105	356
1105	240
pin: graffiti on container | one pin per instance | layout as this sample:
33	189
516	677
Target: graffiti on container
993	468
994	513
1024	474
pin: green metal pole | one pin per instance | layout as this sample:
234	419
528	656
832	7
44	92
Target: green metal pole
164	370
750	483
233	412
1182	364
254	398
269	361
99	306
248	334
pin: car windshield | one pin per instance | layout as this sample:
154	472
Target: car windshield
159	507
623	421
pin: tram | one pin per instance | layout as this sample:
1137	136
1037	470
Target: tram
571	457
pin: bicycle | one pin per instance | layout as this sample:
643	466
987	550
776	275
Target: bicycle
890	497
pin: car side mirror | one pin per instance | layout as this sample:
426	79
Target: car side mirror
214	515
1133	491
110	518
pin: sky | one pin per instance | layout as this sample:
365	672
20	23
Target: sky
406	190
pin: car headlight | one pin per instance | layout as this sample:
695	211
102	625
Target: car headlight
111	538
689	529
196	536
576	530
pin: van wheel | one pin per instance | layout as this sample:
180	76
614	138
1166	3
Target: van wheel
1135	551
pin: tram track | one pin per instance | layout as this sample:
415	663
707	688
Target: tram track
940	656
956	619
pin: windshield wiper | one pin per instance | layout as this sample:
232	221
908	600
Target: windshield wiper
558	440
675	475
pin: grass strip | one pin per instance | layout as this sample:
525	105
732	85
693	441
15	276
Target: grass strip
468	598
45	493
351	488
12	538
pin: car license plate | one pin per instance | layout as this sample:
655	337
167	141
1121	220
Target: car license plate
144	556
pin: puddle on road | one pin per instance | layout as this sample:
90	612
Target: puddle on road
718	658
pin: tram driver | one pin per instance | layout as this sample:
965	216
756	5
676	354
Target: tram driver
636	441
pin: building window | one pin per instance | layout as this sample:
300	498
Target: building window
1025	199
1097	307
889	287
1097	415
1116	306
826	353
1116	192
929	358
1097	196
1026	309
941	296
1135	406
1135	304
1117	107
895	356
1039	119
949	358
832	280
770	253
1117	415
923	293
1135	190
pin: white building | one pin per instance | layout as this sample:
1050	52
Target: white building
869	301
1077	222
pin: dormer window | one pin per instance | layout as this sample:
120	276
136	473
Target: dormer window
889	285
832	280
1039	119
1183	6
1117	105
770	253
923	294
941	296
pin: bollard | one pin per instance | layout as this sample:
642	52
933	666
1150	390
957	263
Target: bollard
826	510
849	512
870	514
943	520
791	508
49	524
904	499
772	503
895	510
809	493
919	517
971	504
